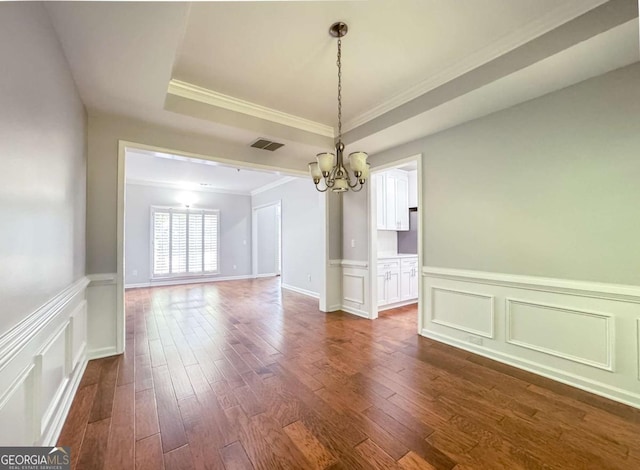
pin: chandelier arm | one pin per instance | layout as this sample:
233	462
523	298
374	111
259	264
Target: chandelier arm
326	188
357	190
355	185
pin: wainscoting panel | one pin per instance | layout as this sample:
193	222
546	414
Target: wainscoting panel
575	335
51	363
41	362
355	288
580	333
102	300
462	310
16	411
78	334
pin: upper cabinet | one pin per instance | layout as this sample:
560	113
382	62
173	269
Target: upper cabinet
392	196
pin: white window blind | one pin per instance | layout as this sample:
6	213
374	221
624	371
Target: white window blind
185	242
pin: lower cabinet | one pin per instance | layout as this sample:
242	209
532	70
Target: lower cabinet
409	279
397	280
388	282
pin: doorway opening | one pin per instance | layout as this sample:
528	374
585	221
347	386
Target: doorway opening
395	239
187	237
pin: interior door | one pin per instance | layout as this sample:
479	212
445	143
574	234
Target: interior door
267	239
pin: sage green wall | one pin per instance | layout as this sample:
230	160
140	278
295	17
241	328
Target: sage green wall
550	187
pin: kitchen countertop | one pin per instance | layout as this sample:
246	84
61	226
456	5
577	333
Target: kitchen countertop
382	256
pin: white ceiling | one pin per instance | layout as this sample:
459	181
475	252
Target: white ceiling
192	174
267	69
280	55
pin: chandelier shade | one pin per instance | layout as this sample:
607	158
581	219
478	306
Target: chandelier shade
329	167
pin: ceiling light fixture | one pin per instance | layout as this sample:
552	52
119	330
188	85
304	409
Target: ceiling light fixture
336	176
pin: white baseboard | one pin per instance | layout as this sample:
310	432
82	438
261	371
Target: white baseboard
403	303
334	308
355	311
597	388
258	276
102	352
177	282
306	292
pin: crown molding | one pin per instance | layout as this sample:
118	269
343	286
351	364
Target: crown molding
213	98
168	185
275	184
553	19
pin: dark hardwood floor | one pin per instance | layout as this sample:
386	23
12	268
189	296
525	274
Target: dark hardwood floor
238	375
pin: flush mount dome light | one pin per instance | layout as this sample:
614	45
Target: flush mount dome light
328	166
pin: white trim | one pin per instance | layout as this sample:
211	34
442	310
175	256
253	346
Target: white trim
186	280
335	262
627	293
273	184
519	36
102	352
355	311
213	98
608	365
592	386
489	335
182	187
306	292
638	344
14	340
259	276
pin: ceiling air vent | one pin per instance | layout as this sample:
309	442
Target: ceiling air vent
265	144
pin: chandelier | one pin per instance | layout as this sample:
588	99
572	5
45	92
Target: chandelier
329	166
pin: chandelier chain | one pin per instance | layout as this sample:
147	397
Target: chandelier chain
339	63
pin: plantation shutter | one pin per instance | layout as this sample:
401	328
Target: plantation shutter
211	242
185	242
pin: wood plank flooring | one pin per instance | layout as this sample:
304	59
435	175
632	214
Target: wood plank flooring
241	375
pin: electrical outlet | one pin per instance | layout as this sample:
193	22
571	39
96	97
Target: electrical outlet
475	340
353	243
134	272
244	242
234	266
309	277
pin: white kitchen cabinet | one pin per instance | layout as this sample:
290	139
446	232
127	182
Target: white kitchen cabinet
388	281
393	200
397	280
409	279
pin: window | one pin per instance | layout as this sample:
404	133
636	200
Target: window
185	241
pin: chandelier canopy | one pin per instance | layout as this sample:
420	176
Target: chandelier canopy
329	166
